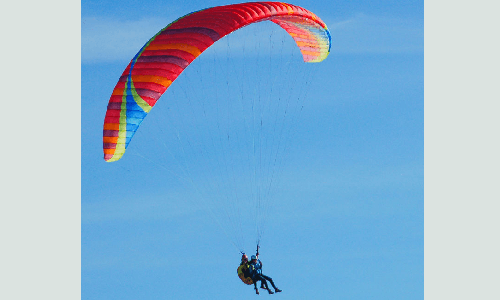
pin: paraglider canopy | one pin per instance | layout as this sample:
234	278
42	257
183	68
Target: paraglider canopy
160	61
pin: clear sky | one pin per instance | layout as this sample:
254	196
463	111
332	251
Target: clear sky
349	224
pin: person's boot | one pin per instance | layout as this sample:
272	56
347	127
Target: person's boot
257	291
270	292
277	290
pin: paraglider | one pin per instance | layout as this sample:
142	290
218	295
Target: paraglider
255	267
168	53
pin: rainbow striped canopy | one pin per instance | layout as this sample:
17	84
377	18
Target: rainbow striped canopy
170	51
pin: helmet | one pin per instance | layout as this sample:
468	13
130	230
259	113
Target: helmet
254	257
244	256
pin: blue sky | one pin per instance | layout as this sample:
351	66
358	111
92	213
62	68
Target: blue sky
348	223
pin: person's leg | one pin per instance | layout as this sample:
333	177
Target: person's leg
255	286
271	281
264	284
